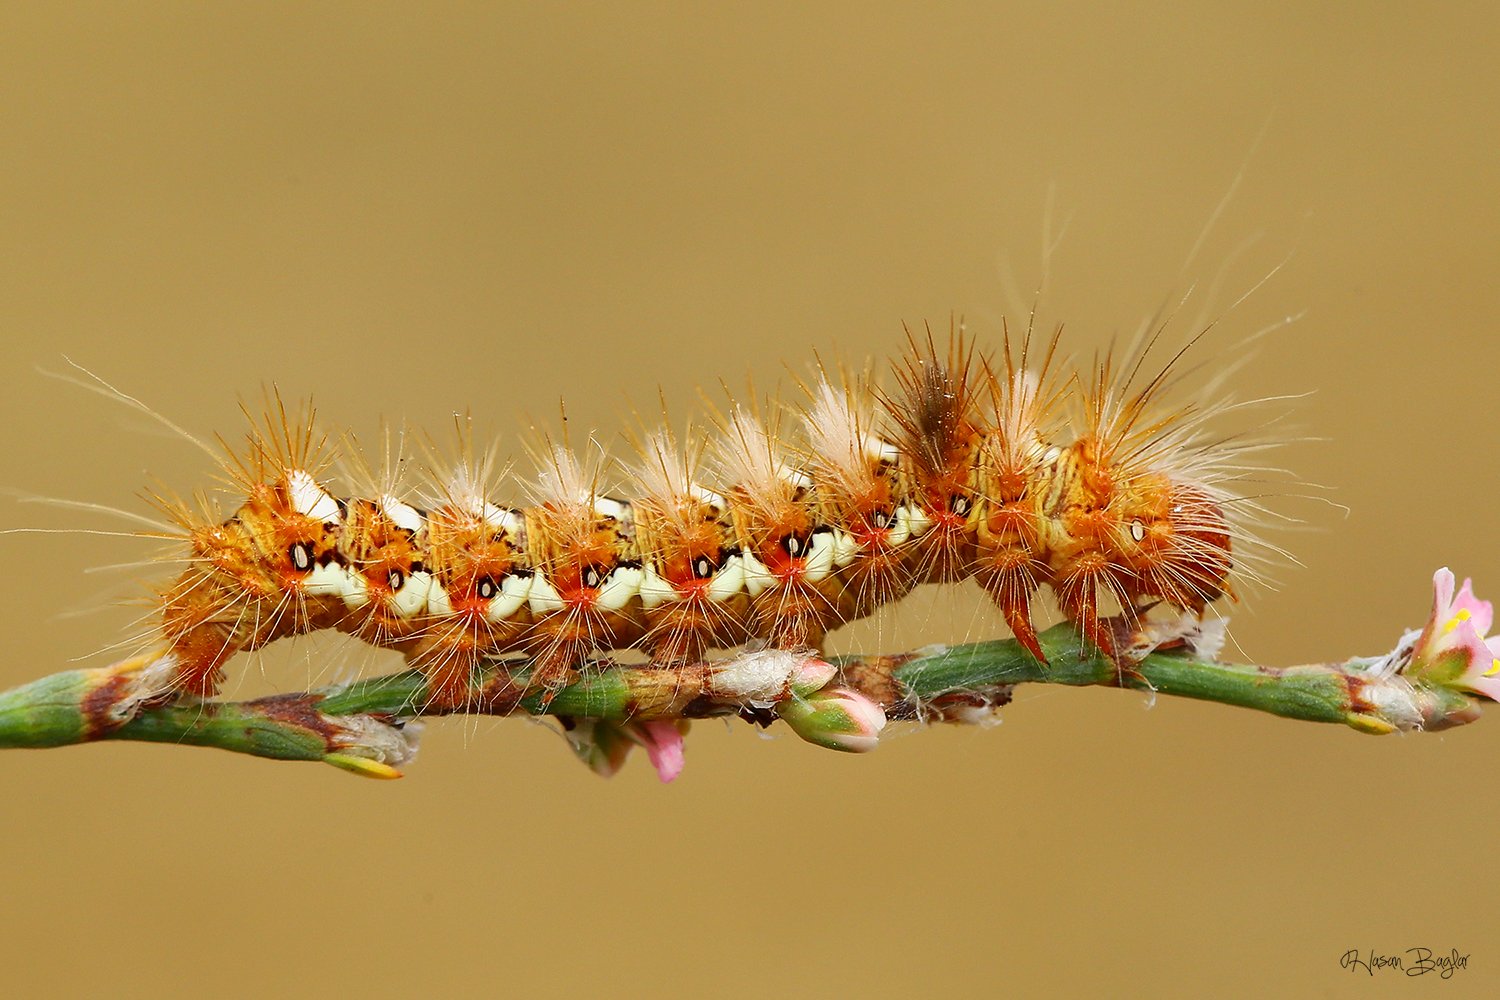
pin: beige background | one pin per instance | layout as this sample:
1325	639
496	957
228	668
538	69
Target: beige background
410	212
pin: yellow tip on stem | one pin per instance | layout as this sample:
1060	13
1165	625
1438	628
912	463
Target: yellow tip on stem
362	766
1369	724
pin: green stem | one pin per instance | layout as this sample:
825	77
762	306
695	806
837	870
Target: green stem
359	725
1312	694
1341	693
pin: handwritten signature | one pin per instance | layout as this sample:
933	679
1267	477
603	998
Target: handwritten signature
1417	962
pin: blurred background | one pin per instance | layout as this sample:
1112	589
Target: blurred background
412	211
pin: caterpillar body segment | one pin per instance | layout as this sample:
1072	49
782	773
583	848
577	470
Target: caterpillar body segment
1004	472
790	556
479	573
384	541
389	583
1074	511
692	592
938	437
1016	472
861	491
584	596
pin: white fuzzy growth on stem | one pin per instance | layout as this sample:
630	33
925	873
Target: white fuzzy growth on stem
364	736
760	678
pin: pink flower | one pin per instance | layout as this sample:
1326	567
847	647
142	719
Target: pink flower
1453	650
662	739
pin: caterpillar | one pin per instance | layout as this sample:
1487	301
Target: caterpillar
773	527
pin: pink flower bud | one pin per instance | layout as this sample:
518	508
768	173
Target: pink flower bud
662	739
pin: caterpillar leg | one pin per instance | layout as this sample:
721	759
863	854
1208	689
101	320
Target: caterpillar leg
556	665
1078	594
200	655
1012	586
447	660
578	613
450	681
197	641
1015	607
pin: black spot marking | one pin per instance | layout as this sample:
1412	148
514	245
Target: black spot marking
795	545
301	556
593	577
881	518
702	568
488	588
395	580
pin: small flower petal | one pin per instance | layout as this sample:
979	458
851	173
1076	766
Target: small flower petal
1481	613
1442	587
1486	685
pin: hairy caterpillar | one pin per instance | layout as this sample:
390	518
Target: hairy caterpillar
1004	470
